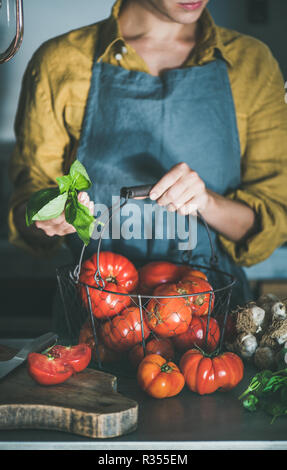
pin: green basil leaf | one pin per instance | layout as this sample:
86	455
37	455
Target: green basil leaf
84	223
250	403
71	209
38	200
53	209
64	183
79	176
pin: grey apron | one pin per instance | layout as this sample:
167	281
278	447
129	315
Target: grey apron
136	127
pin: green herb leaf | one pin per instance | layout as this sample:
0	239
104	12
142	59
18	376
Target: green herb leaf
84	223
64	183
50	203
53	209
79	176
250	403
80	217
37	201
71	209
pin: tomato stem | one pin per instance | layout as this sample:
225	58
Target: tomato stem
166	368
206	354
111	279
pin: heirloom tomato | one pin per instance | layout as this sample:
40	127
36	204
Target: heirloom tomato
78	356
199	304
205	374
156	273
196	335
120	277
161	346
124	331
106	355
159	378
168	315
48	370
186	271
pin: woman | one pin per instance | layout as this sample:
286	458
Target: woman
159	94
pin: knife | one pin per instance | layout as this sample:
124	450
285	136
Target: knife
36	345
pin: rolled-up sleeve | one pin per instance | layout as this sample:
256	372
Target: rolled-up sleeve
264	174
41	143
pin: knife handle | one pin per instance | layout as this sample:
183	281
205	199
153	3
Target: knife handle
37	345
136	191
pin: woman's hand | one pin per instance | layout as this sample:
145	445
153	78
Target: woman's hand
182	190
59	226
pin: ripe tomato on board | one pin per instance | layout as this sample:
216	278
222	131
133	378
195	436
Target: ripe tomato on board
124	331
161	346
196	335
78	356
58	363
159	378
199	303
120	277
205	374
168	316
47	370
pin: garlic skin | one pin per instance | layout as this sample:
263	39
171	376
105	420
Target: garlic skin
265	358
258	315
282	339
278	311
249	319
247	345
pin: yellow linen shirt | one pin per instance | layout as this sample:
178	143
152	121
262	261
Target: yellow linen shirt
52	104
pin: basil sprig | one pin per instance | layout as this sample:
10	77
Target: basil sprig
267	391
49	203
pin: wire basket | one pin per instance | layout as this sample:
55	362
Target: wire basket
168	320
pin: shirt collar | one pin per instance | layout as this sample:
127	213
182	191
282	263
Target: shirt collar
209	44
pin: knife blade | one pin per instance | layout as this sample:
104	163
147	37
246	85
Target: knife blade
37	345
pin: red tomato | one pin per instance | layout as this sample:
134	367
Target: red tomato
161	346
120	277
155	273
168	316
186	271
106	355
196	335
199	303
78	357
124	331
159	378
47	370
205	375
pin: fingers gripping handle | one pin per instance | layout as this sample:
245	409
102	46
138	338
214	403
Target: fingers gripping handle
144	191
136	191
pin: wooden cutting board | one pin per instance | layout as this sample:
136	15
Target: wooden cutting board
87	404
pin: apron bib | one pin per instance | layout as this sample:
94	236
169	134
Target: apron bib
136	127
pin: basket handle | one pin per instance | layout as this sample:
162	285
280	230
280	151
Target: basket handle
143	191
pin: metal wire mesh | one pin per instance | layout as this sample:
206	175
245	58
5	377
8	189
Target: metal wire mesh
122	327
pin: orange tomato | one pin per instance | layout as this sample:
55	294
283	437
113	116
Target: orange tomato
159	378
161	346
